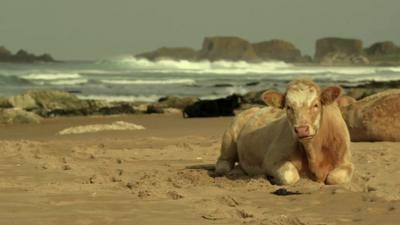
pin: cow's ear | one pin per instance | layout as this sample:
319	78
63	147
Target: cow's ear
330	94
273	98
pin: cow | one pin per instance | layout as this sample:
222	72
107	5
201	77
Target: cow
301	132
213	108
374	118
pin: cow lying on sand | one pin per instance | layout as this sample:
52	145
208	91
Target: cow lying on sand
213	108
303	132
374	118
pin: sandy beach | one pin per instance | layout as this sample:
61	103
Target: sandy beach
164	175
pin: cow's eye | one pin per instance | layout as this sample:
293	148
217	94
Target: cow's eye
316	106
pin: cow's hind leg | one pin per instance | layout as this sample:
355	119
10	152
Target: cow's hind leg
341	174
285	174
229	155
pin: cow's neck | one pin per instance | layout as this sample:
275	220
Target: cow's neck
318	149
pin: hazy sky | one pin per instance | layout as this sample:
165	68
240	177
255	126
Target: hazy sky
91	29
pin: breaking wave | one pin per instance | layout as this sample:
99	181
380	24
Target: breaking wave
238	67
51	76
169	81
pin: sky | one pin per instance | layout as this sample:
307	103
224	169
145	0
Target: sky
98	29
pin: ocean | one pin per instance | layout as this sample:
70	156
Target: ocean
131	79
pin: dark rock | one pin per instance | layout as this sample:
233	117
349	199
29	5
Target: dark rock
339	51
23	56
254	83
277	50
116	108
5	103
223	85
213	108
284	192
227	48
170	53
176	102
154	109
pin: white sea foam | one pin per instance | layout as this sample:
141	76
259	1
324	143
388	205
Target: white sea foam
51	76
68	82
170	81
235	67
201	67
123	98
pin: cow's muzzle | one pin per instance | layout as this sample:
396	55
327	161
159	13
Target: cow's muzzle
303	132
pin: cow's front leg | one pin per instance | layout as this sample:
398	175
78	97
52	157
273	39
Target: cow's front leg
341	174
285	174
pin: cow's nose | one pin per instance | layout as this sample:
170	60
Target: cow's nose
302	131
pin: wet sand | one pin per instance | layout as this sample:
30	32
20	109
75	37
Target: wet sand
163	175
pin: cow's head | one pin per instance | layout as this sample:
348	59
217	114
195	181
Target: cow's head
303	102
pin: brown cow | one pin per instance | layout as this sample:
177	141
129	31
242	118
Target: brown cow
374	118
302	133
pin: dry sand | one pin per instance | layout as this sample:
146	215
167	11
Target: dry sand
163	175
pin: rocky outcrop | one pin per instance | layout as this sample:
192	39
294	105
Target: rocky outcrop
364	90
168	102
49	103
277	50
170	53
23	56
382	48
384	53
329	51
18	116
227	48
374	118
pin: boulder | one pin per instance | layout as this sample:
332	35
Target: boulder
5	103
52	103
339	51
277	50
48	103
374	118
168	103
18	116
154	108
23	101
170	53
176	102
227	48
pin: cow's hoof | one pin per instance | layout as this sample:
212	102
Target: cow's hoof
340	175
287	174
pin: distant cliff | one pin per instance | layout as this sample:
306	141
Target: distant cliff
328	51
231	48
23	56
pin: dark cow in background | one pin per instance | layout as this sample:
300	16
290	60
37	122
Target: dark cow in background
213	108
